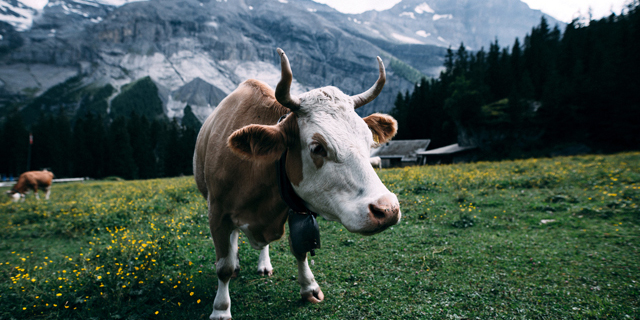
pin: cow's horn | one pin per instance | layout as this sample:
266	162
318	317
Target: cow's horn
283	89
368	96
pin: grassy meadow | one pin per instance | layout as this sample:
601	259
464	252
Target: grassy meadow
533	239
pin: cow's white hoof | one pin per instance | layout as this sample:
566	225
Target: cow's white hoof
265	271
314	296
220	315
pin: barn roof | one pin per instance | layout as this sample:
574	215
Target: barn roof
450	149
404	149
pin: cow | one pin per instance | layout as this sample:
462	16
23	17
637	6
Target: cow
327	149
31	180
376	162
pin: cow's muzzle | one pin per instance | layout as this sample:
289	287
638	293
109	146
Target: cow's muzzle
383	213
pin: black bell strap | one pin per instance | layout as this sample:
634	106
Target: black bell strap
287	193
303	227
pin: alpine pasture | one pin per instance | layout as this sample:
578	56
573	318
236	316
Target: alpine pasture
552	238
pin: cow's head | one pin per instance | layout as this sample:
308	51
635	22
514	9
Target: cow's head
14	195
328	148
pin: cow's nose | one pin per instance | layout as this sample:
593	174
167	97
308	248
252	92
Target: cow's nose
385	211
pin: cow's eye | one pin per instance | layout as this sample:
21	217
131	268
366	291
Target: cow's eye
318	150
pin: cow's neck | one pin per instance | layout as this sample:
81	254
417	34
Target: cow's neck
288	195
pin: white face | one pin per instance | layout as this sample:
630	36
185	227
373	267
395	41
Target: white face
338	180
15	197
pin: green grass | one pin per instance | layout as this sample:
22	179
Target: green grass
471	244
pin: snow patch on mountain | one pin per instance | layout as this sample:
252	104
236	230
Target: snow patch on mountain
21	13
18	14
437	17
423	33
423	7
70	10
35	4
86	3
406	39
115	3
408	14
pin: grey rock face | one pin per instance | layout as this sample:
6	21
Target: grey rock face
199	93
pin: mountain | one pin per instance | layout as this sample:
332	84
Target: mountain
448	22
84	55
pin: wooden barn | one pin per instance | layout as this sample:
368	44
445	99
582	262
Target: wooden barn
401	153
450	154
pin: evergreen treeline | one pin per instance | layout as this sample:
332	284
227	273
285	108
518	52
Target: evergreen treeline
128	147
577	87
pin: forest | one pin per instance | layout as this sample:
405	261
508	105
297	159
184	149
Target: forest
130	147
554	90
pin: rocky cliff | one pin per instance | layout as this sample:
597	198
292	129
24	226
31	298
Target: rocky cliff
197	51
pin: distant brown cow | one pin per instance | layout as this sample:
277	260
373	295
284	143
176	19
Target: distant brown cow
32	180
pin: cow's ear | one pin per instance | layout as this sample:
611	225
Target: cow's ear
258	142
383	127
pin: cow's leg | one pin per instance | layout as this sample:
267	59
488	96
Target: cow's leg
225	239
309	289
47	192
264	262
35	190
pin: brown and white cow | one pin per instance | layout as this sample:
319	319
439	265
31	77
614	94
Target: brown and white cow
327	162
32	180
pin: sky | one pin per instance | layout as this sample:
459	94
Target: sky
563	10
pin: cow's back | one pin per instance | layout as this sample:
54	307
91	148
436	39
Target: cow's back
217	170
32	179
44	177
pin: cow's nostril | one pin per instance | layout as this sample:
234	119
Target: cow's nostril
378	213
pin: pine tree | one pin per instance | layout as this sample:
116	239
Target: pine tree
52	145
172	150
493	71
143	154
121	161
159	129
461	64
14	144
82	158
399	112
516	60
189	119
188	139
